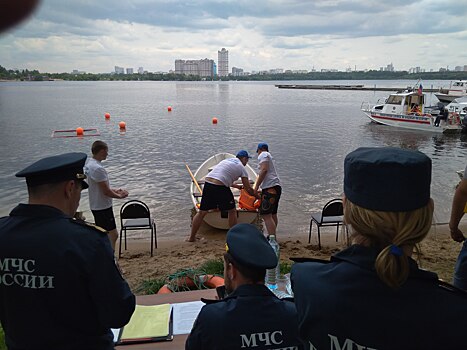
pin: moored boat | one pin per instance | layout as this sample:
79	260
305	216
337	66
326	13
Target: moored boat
457	89
406	109
216	218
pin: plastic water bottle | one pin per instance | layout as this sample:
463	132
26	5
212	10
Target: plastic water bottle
271	274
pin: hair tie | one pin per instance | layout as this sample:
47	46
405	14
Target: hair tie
395	250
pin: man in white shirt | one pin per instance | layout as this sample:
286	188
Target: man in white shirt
271	188
100	193
217	193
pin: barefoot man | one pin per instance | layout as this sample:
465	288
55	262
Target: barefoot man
271	188
100	193
217	193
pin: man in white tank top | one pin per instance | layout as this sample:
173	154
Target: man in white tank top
270	186
217	193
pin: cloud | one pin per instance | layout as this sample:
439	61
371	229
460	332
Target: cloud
294	34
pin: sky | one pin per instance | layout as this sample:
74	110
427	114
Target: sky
97	35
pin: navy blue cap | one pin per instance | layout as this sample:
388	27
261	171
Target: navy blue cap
387	178
262	146
247	245
68	166
242	153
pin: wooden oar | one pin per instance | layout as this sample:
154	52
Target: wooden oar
194	180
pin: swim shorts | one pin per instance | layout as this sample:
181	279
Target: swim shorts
270	200
217	197
105	218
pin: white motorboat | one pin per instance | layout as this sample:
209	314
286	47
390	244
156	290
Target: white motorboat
458	107
457	89
216	218
407	110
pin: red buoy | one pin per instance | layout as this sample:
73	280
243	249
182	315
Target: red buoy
122	125
79	131
107	115
169	108
214	120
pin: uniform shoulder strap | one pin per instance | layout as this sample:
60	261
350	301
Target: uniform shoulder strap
88	225
453	289
301	260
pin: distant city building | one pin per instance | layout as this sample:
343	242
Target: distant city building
203	68
237	72
119	70
465	68
276	71
129	71
223	62
299	71
443	69
76	72
140	70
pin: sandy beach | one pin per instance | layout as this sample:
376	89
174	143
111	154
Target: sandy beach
438	253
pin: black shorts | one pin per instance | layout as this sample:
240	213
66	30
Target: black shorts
217	197
270	201
105	218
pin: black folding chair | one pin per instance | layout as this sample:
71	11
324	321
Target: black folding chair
331	215
135	215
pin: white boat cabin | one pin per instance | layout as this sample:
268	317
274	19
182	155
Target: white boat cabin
408	102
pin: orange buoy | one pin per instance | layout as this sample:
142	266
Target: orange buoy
169	108
214	120
122	125
107	115
79	131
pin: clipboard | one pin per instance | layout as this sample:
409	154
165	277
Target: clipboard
134	339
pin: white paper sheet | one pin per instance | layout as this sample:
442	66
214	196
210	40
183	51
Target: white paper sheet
184	315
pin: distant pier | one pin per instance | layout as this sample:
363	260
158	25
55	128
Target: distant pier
348	87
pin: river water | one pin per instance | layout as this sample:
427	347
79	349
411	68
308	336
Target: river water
309	132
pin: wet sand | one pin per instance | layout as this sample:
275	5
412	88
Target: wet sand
438	252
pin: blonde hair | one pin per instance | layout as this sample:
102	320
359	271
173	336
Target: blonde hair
383	229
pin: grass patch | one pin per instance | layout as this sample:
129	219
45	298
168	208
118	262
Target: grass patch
178	282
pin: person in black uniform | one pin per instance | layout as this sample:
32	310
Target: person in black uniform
60	287
373	295
250	316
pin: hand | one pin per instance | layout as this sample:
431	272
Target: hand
123	193
457	235
257	194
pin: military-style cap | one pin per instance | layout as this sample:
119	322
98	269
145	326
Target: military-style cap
387	178
247	245
68	166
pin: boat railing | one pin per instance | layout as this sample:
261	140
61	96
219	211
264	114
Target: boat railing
366	106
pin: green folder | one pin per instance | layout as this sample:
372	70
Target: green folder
148	324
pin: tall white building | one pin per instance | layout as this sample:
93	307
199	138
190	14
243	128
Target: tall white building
119	70
223	62
140	70
129	71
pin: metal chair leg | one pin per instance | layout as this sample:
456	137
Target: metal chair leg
152	239
319	239
125	239
155	235
309	233
120	245
337	232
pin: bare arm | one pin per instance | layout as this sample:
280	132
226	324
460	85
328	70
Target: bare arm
247	186
106	190
457	211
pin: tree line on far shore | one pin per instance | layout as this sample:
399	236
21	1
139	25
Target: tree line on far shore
35	75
